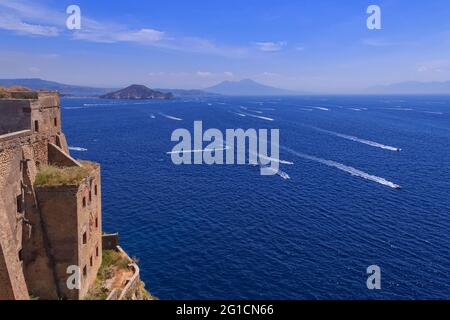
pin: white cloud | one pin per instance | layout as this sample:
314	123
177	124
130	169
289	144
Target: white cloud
141	36
270	74
270	46
13	23
204	74
34	70
26	17
156	74
228	74
380	42
433	66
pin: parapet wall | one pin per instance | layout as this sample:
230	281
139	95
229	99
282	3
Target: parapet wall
15	116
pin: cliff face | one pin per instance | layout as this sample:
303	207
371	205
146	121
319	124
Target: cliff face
138	92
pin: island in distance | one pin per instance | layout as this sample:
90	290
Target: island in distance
138	92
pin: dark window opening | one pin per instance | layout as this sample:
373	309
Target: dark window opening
20	255
90	196
91	261
95	190
85	271
36	126
55	122
84	201
96	222
96	251
19	204
84	238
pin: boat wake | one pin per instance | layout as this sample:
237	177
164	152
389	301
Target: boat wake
79	149
353	171
275	160
259	117
279	172
170	117
356	139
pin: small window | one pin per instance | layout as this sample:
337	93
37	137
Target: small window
85	271
19	204
84	238
90	196
20	255
91	261
84	202
55	122
96	251
95	190
36	126
96	222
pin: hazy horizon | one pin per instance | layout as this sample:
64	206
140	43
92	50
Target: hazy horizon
294	45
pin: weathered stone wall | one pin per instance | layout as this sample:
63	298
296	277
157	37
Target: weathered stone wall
60	222
59	158
15	116
38	269
73	224
43	230
90	222
12	282
110	241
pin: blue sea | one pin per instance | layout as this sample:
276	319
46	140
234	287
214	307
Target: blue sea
226	232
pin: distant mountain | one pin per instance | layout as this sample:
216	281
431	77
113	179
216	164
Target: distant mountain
247	87
138	92
412	87
63	89
189	93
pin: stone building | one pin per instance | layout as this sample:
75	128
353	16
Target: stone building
50	204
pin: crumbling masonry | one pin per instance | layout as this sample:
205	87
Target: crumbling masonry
44	229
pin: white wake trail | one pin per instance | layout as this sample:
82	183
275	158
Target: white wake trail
259	117
79	149
274	160
353	171
356	139
170	117
279	172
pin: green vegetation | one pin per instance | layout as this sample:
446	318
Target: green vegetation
112	261
5	93
52	175
97	291
144	293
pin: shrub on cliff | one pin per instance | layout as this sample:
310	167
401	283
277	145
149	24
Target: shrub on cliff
51	175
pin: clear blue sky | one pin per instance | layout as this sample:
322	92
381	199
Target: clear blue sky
321	45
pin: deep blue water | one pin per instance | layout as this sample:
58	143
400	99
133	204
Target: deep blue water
226	232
